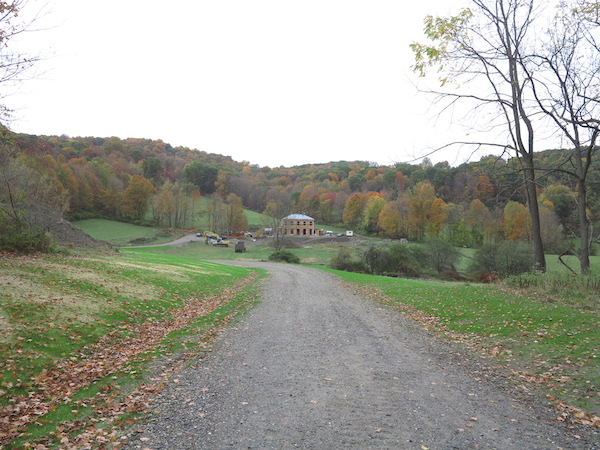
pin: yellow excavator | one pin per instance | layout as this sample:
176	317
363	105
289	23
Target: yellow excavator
215	239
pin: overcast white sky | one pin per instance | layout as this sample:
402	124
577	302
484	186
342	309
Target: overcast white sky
272	82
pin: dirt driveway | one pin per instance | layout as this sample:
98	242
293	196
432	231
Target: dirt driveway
317	366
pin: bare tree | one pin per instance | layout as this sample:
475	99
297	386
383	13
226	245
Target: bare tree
487	47
216	214
566	88
14	65
272	216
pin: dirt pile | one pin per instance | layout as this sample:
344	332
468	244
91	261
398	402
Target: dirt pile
63	231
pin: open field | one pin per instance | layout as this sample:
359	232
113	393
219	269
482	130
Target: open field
122	234
319	255
81	337
256	220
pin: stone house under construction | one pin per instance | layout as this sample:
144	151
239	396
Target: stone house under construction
297	225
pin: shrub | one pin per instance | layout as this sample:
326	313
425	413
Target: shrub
397	260
374	259
403	260
580	290
502	259
344	261
452	275
487	278
284	255
441	255
280	242
27	241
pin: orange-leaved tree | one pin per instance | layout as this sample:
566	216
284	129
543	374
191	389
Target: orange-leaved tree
515	221
437	217
135	199
392	220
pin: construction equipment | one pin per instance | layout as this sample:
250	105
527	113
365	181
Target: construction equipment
215	239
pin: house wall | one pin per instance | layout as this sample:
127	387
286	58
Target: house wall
295	227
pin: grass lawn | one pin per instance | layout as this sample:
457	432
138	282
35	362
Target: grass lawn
553	265
313	255
63	317
550	344
122	234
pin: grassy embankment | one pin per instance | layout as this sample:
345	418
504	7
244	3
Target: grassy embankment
83	338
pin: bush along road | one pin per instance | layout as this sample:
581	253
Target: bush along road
316	365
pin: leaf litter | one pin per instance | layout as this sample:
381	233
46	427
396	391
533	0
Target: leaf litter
57	385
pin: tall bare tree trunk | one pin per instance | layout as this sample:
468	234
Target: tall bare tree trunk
534	213
584	229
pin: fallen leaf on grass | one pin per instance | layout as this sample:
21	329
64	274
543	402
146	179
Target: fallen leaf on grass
107	356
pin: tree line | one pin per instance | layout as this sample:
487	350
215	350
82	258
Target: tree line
148	181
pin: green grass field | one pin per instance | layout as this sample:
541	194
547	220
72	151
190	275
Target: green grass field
122	234
552	262
317	255
256	220
63	317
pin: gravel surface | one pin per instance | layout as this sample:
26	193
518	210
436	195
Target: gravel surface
317	366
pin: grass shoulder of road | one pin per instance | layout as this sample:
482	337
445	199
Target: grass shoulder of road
82	335
548	345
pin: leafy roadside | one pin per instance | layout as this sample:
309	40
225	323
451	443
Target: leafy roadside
82	332
546	347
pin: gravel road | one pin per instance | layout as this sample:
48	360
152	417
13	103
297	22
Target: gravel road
316	366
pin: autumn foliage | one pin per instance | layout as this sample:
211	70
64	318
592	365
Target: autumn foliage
148	181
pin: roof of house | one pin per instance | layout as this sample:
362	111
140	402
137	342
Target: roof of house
298	217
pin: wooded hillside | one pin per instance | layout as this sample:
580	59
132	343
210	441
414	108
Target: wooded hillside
144	181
